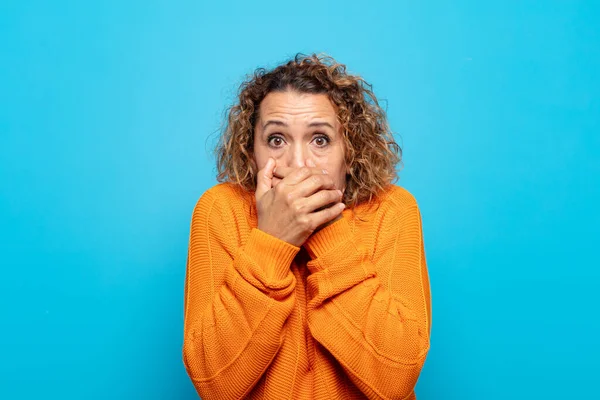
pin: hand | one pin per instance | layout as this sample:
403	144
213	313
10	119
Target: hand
281	172
298	204
340	216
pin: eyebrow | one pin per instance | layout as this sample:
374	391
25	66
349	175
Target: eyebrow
281	123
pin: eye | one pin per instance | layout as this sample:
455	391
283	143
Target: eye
275	141
322	140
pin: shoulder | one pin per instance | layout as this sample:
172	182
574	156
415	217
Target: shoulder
224	196
224	193
398	199
223	213
386	212
396	217
399	207
387	205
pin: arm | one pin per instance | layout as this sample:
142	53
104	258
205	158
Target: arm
372	313
237	300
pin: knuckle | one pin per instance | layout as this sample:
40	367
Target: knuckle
279	190
304	222
289	199
297	208
333	212
327	212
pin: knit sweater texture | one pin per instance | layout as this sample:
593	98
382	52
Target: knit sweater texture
345	316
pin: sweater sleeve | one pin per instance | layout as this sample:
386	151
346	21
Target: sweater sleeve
372	313
237	301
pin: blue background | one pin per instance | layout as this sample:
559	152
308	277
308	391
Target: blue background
109	111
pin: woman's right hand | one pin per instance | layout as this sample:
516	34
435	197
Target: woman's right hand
287	211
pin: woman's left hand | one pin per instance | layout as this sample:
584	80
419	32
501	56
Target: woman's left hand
282	172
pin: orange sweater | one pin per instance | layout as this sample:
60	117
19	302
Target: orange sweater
345	316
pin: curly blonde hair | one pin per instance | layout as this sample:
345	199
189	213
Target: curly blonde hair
371	152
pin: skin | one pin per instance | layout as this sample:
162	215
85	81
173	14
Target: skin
299	151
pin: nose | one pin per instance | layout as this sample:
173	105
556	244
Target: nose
298	156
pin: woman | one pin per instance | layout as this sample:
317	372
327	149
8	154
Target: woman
306	274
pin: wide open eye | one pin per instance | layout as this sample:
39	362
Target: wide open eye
322	140
275	141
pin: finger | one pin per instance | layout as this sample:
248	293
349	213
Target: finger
321	200
325	215
275	181
264	178
311	185
284	172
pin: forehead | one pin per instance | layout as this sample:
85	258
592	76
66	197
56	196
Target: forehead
291	104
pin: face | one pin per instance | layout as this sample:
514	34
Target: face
294	127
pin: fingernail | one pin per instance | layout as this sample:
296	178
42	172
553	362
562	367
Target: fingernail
339	192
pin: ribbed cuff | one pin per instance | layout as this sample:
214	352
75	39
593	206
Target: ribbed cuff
273	255
328	238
